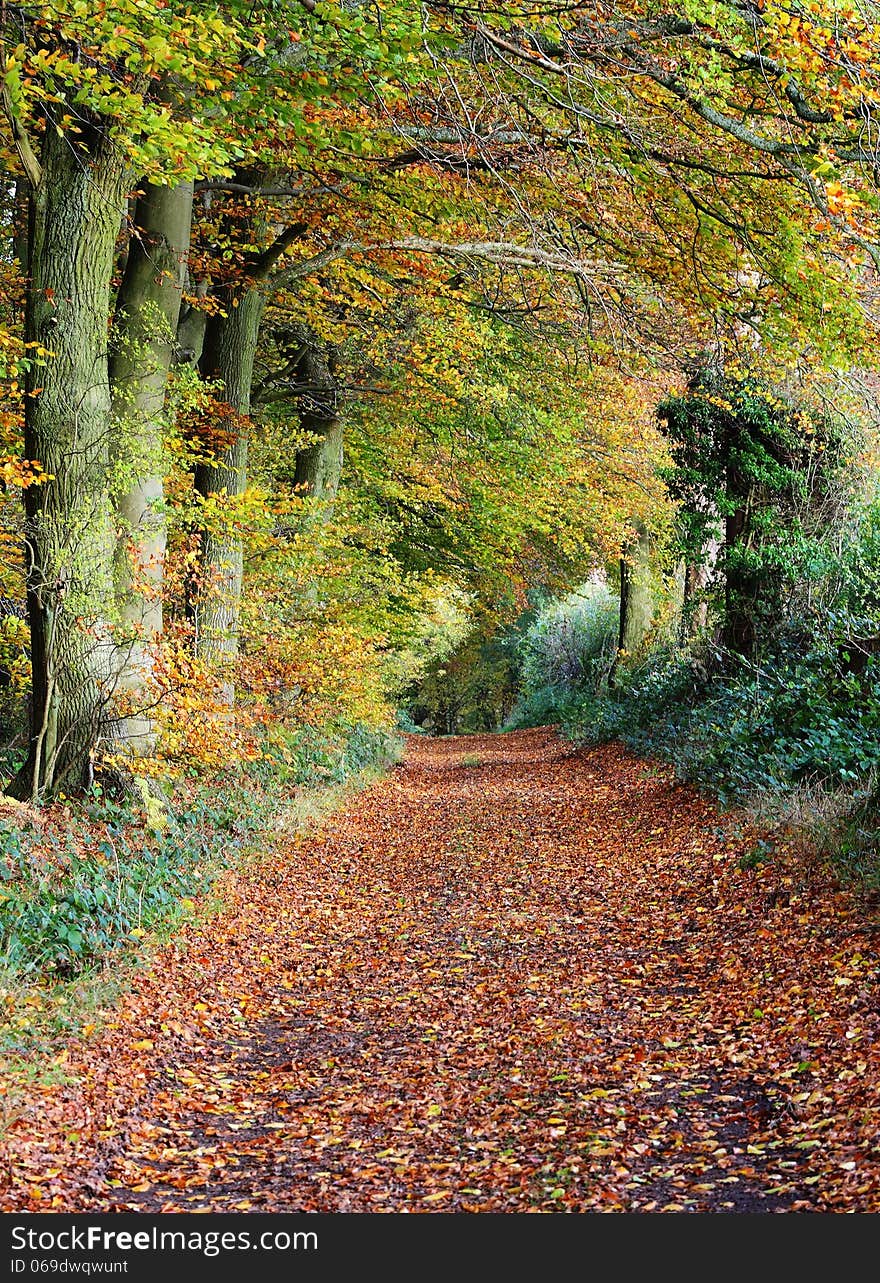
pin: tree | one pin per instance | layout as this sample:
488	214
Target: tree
750	466
637	604
473	244
84	102
76	208
144	339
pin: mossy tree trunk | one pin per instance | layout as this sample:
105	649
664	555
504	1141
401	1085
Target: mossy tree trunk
319	465
144	340
694	606
75	213
225	352
742	586
228	357
637	593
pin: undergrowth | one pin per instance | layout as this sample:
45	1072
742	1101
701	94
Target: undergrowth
795	739
89	888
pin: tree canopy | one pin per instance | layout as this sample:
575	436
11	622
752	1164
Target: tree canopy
392	293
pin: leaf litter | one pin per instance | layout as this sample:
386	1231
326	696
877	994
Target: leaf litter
508	977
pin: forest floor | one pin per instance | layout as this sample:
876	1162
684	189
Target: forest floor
507	977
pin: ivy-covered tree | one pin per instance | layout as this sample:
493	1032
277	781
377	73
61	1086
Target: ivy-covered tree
753	472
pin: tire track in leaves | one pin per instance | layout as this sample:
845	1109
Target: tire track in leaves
540	982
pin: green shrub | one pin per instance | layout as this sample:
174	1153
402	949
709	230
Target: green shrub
405	723
647	703
571	640
548	706
797	716
70	899
565	653
310	755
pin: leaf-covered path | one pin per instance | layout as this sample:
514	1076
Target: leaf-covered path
507	978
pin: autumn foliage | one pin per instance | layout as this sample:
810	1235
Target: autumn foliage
510	978
383	368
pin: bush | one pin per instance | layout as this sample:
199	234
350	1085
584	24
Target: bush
545	707
311	755
405	723
797	716
565	653
571	640
647	703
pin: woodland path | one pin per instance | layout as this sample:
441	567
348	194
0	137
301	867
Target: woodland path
508	977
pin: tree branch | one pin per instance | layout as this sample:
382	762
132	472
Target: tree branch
263	265
246	189
20	140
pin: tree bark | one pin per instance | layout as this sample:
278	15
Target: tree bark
694	612
147	312
319	465
741	587
225	350
20	219
636	593
228	357
191	327
74	218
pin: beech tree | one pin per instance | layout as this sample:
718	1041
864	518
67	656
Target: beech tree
317	208
144	342
85	109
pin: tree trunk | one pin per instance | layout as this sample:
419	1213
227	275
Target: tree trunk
694	610
75	215
191	327
225	351
20	218
741	588
636	594
228	357
319	465
147	311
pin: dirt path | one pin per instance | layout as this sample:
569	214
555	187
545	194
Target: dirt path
508	978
